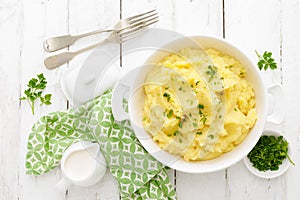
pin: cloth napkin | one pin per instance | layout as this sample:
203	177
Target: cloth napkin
139	175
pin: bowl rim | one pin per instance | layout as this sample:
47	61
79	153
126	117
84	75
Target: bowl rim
262	87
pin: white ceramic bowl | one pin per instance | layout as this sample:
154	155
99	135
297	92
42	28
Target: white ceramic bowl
129	85
283	167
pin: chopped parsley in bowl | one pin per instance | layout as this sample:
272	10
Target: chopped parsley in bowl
270	157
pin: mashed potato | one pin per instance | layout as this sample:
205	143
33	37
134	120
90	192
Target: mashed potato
198	104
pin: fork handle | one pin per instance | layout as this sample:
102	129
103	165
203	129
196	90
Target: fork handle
60	42
57	60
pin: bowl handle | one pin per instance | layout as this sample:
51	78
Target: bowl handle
275	102
119	93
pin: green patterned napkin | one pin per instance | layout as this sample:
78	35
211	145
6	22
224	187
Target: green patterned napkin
139	175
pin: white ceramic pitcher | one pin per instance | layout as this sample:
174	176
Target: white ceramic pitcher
82	164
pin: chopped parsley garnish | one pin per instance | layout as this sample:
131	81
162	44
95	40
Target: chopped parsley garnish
195	125
199	133
197	82
203	120
212	70
170	113
180	140
182	120
180	88
176	133
211	136
269	152
180	124
200	106
167	95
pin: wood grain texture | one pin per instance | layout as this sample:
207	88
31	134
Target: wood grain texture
204	18
137	57
39	17
10	36
262	25
255	25
291	82
86	16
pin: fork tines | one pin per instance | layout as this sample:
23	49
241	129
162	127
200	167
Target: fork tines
141	15
138	23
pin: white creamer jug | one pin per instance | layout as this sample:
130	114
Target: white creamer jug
82	164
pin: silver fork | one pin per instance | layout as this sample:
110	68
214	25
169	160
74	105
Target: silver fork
59	42
118	36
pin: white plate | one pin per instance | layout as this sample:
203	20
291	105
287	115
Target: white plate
271	174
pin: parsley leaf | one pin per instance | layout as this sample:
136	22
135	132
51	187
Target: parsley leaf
266	61
211	136
212	71
170	113
167	95
200	106
34	92
176	133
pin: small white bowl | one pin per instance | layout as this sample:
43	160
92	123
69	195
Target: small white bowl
282	168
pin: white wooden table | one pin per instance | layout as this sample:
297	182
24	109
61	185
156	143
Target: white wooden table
253	24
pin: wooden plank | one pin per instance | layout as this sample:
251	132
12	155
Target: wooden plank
83	17
291	82
105	189
10	40
196	18
187	18
137	57
206	186
254	25
41	18
47	19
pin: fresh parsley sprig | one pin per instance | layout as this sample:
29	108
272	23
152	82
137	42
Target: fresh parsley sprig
35	90
266	61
